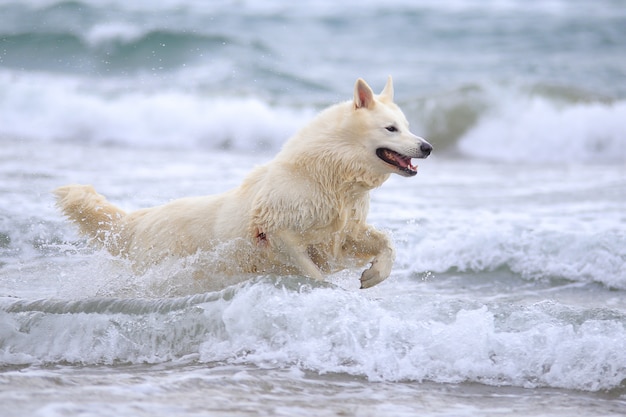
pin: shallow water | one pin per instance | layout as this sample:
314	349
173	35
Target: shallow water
240	390
507	294
475	309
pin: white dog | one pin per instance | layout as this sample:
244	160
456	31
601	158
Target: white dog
304	212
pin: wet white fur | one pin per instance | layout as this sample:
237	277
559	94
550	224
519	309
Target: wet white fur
303	212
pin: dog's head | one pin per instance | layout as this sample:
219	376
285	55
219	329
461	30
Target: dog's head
384	131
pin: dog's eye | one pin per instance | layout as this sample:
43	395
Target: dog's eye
392	128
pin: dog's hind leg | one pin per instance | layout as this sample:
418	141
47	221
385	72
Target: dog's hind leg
288	245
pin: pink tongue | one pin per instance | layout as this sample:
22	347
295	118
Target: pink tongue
403	162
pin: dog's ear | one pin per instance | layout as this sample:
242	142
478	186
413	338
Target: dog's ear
387	93
363	95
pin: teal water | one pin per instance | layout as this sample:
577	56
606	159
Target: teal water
290	49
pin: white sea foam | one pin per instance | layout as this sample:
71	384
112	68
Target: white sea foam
535	129
328	330
515	128
534	251
49	108
113	31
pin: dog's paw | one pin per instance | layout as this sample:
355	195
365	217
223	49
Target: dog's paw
379	271
371	277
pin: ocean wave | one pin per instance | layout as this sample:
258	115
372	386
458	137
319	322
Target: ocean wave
504	123
67	110
531	124
113	48
545	232
532	254
537	130
277	322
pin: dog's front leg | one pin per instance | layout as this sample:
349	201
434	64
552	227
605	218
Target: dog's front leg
372	243
380	269
289	245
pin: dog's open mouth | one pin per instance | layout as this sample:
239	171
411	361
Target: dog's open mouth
402	162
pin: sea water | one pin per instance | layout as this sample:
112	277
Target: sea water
508	294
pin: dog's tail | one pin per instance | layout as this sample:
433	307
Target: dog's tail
95	216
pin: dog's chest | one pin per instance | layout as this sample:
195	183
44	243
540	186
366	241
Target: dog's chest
345	218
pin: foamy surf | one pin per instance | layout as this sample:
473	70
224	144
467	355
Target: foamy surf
500	123
283	322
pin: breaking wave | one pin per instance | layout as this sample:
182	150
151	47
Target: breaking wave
497	123
285	322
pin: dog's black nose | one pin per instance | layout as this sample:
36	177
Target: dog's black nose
426	148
